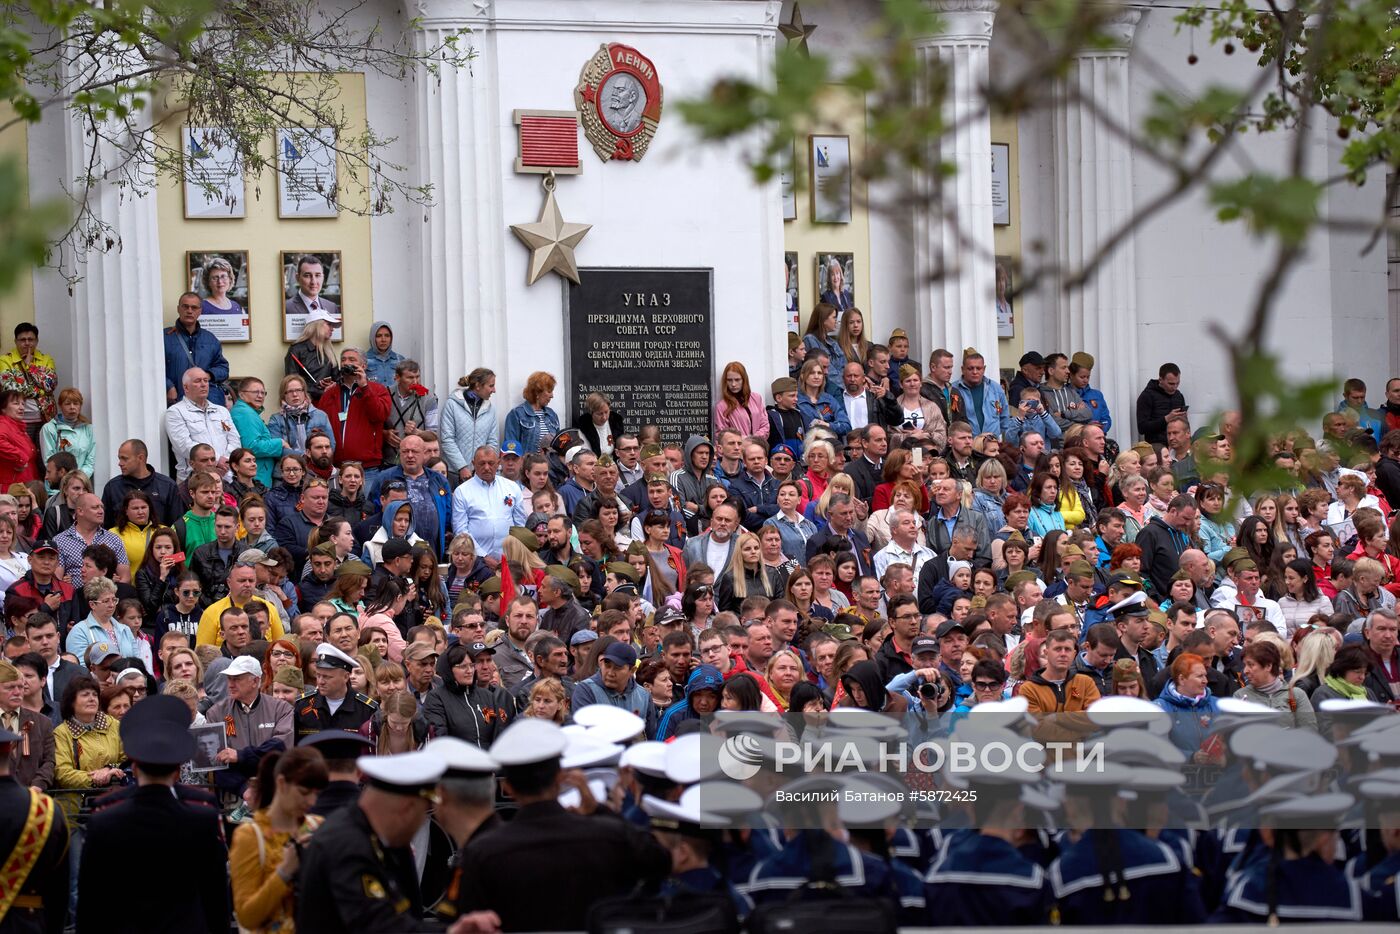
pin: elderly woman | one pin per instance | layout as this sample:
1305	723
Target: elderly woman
101	624
1263	672
297	417
266	851
782	673
533	424
599	424
87	747
1135	492
16	448
1345	679
989	492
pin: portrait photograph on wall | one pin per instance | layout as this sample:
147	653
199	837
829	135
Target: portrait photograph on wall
297	302
1006	317
836	279
831	179
791	305
220	278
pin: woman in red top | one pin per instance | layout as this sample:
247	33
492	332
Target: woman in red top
1373	538
899	466
16	447
1322	547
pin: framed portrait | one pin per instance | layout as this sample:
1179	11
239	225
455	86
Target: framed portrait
221	279
791	304
830	158
1001	184
306	173
836	280
208	740
1006	315
214	185
788	183
295	305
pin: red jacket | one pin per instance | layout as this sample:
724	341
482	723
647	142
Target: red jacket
361	436
16	453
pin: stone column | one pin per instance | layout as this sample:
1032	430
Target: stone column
1094	197
461	306
953	240
118	355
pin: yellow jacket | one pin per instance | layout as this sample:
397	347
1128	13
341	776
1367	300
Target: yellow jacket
260	898
135	539
1071	509
208	632
96	749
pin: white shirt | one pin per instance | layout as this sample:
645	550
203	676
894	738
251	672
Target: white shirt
856	409
188	424
487	511
893	554
717	553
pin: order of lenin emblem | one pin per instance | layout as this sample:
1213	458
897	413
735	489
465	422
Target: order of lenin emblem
619	97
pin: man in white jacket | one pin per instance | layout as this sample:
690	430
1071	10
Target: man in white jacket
195	420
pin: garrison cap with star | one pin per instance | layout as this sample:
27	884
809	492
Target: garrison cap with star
564	576
330	657
623	569
528	741
354	567
407	773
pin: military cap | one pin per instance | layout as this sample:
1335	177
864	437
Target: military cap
1083	360
651	450
325	548
624	570
337	744
1233	555
783	384
1134	604
1071	551
407	773
354	566
291	676
525	537
563	575
157	731
907	370
8	672
897	333
330	657
491	587
841	631
462	759
610	724
396	548
1081	569
528	741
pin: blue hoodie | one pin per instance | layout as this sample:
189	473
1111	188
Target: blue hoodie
703	678
380	367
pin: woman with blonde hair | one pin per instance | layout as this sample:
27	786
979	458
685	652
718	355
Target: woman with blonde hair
265	852
820	459
841	483
782	673
1315	654
297	418
818	407
313	356
468	421
739	407
747	575
547	701
70	430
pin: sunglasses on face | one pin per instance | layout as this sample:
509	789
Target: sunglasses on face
987	685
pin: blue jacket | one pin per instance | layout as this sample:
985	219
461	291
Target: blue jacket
442	500
794	536
1161	888
995	414
762	495
1191	717
465	424
295	431
1044	518
1095	401
836	360
529	428
825	408
380	367
633	697
1040	422
203	350
256	437
703	678
979	880
1368	419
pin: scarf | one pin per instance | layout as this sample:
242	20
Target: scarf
1273	687
298	418
1086	498
1345	688
98	724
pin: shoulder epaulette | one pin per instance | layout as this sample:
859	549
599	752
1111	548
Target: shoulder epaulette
368	701
309	693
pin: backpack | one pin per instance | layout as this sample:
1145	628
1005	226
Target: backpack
680	913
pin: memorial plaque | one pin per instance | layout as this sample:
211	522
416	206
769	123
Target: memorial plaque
646	338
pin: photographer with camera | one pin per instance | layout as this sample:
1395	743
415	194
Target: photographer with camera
358	410
1030	415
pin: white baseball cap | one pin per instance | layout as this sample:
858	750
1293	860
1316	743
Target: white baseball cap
321	314
243	665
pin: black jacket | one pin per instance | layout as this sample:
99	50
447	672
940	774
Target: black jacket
866	475
48	879
350	882
501	868
1161	552
584	423
1153	404
292	534
212	570
1377	687
1388	480
726	600
474	715
827	542
182	842
313	714
159	487
566	620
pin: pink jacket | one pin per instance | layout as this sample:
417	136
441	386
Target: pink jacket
385	623
750	420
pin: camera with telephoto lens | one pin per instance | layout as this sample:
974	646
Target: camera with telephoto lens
931	690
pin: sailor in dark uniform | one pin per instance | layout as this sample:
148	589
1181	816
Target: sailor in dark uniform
501	869
357	873
692	836
1380	897
33	854
1111	876
466	805
340	748
1299	880
331	705
980	876
175	839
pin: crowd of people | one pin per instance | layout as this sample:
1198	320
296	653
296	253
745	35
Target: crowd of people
379	582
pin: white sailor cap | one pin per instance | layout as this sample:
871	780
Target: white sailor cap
1134	604
1148	778
1310	809
693	758
647	757
408	773
328	656
1277	788
608	723
1278	749
1381	744
722	800
1356	714
572	797
684	816
1120	711
1140	748
1237	713
462	759
1087	776
1007	713
1370	728
866	722
731	722
1018	760
528	741
585	751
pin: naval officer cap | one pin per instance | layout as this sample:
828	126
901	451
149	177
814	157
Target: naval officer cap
461	758
608	723
528	741
156	731
683	817
329	657
648	758
338	744
409	773
1134	604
